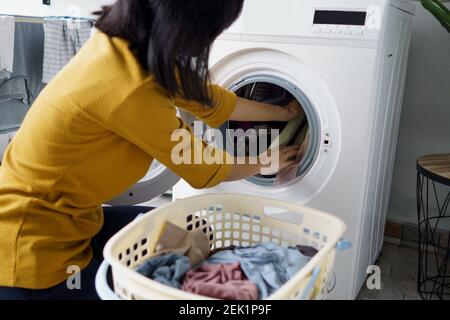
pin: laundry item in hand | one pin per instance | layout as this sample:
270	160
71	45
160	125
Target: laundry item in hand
167	269
267	265
63	39
7	30
193	244
220	281
287	134
290	173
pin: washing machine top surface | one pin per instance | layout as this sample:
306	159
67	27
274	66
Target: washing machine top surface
283	20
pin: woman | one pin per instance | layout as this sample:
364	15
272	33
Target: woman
96	128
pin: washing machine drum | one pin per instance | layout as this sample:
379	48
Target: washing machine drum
244	138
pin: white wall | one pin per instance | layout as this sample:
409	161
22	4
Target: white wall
82	8
425	125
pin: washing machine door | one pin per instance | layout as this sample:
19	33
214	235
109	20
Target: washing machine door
157	181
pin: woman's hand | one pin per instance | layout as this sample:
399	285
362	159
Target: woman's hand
269	163
284	157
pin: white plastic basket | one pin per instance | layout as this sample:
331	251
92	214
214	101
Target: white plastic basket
227	219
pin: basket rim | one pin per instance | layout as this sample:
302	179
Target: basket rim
179	294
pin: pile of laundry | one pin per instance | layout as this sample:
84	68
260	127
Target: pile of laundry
183	260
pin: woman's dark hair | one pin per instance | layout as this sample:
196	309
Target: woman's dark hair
172	38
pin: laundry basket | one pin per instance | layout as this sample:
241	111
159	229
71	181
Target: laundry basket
227	219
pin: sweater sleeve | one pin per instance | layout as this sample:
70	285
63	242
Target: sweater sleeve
224	106
148	119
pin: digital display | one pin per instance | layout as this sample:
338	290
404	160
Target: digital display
352	18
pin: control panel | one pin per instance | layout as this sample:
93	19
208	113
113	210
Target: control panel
338	22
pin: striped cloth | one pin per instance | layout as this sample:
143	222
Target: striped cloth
7	28
63	39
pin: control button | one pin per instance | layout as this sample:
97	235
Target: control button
347	31
326	30
358	32
337	31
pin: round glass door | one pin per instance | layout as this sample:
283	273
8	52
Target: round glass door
305	132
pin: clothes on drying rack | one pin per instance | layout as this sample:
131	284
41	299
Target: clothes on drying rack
64	37
25	83
29	56
268	265
14	88
167	269
7	31
193	244
220	281
14	103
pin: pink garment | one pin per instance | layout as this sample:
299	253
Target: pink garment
290	173
220	281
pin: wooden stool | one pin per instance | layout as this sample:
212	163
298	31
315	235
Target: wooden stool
433	198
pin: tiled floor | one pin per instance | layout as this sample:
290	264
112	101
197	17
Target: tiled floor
398	266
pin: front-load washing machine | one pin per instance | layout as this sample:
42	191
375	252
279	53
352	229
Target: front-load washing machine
345	62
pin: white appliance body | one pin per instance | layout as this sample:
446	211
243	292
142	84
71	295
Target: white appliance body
353	75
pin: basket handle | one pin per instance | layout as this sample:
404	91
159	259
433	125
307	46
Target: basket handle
343	245
283	215
101	283
310	286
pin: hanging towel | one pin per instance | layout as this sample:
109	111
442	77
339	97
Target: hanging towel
167	269
14	103
220	281
29	55
14	88
193	244
7	29
268	265
63	39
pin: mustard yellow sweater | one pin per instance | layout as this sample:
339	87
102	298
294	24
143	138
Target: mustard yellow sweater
92	133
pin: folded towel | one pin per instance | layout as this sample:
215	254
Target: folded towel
63	39
7	29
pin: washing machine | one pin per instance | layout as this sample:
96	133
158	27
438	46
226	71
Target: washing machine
345	62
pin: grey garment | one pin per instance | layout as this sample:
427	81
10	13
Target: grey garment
29	56
63	39
14	103
267	265
14	88
7	29
18	93
167	269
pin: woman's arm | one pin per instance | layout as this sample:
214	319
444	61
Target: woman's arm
247	110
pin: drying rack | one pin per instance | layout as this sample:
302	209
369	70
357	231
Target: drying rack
41	20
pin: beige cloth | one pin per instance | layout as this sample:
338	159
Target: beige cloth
193	244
